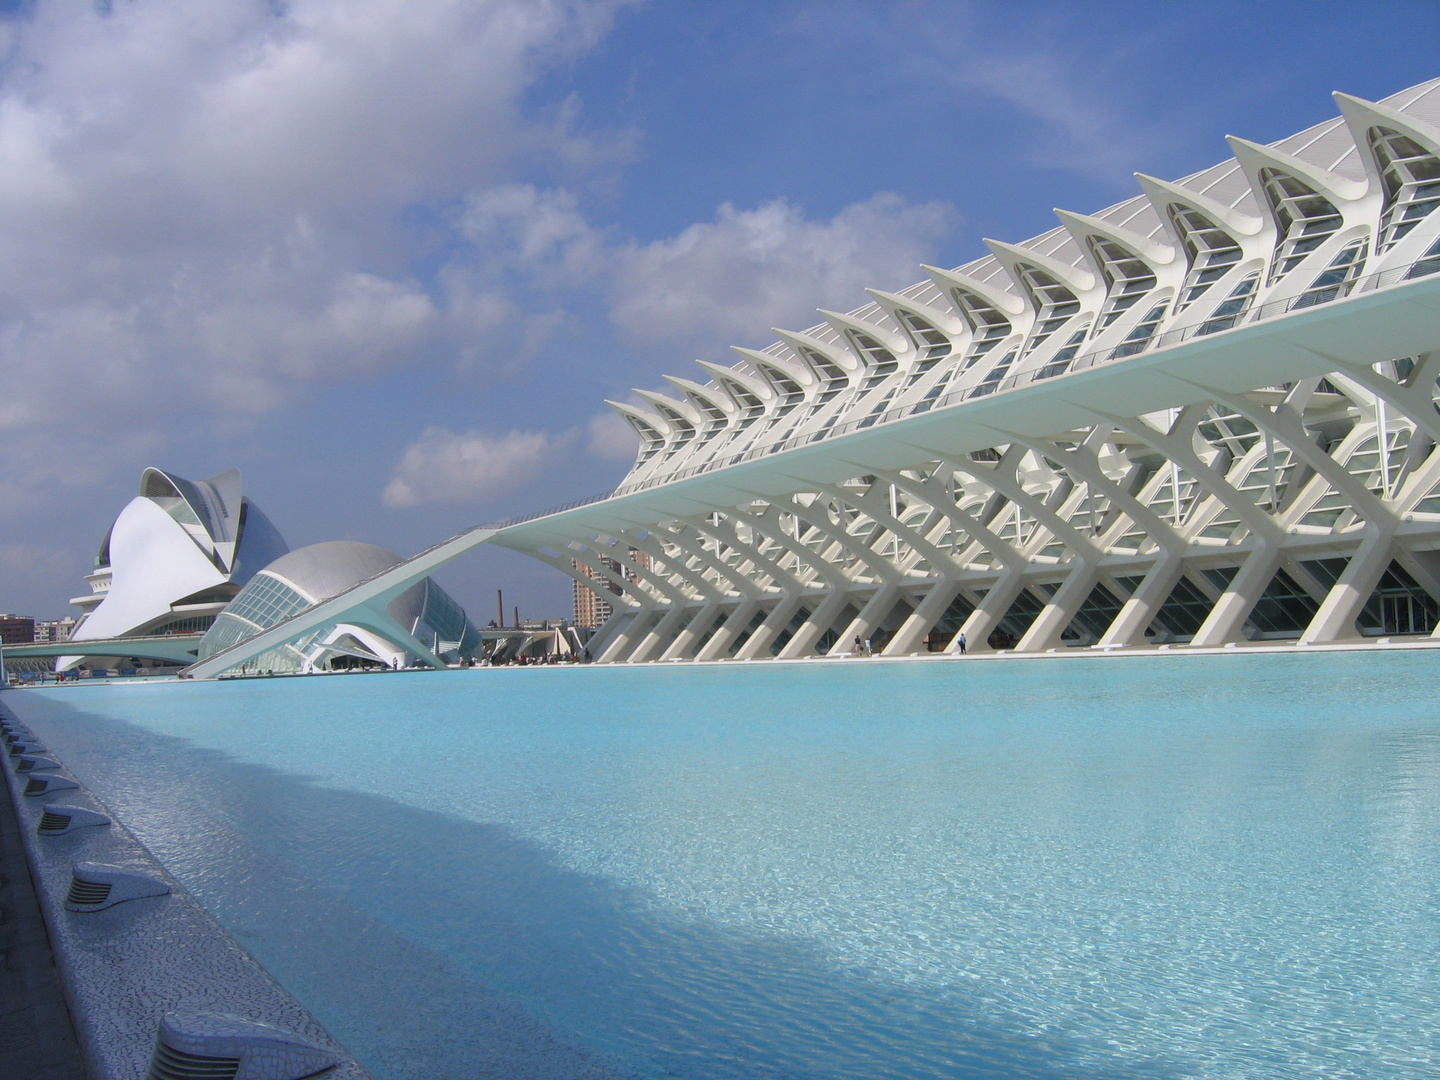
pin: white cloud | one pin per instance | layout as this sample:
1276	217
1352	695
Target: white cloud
713	283
731	279
203	203
542	232
442	466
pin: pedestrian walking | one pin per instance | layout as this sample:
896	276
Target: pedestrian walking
961	643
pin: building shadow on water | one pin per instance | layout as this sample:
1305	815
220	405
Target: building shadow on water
436	947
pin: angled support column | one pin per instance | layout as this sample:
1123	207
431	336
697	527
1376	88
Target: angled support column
1411	400
779	617
1227	618
883	571
1055	616
645	601
991	609
1138	612
926	614
738	619
939	595
1045	631
1335	621
1285	425
982	620
624	602
790	602
1335	618
802	643
687	637
1177	444
679	602
617	648
1135	615
685	641
672	596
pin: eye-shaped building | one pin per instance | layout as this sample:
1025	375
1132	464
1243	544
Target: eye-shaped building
421	623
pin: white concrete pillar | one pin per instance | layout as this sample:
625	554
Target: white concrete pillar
832	602
993	606
758	644
870	616
660	633
687	637
1335	621
719	643
1226	620
927	613
1055	616
617	649
1138	612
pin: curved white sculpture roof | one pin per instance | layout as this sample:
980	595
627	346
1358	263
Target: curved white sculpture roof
175	554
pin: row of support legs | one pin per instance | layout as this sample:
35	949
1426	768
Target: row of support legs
637	636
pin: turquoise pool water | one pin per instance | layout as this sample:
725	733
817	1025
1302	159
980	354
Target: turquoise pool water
1152	868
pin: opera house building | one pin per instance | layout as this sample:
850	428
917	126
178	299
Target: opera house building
186	558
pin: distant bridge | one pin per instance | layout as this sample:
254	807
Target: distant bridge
171	648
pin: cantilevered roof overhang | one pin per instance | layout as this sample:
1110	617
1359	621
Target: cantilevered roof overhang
1395	320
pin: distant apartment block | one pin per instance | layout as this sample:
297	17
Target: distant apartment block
592	604
55	629
16	629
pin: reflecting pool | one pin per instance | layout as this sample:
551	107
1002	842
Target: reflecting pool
1154	867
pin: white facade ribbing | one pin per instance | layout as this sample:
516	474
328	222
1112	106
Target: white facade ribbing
1233	487
1203	416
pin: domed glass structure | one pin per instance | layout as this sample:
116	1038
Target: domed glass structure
422	622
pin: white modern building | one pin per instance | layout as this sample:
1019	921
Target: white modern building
422	624
175	556
1204	416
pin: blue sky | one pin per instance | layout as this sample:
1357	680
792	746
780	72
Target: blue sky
389	258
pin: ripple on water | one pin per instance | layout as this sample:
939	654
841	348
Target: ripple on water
1215	867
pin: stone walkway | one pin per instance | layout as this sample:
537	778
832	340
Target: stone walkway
37	1041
